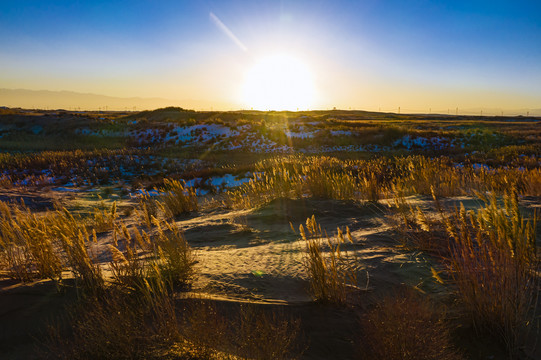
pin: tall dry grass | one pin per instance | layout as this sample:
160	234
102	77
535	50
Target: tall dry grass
128	267
104	218
330	268
495	265
371	180
176	257
28	250
77	244
118	325
147	209
490	256
177	199
141	255
42	246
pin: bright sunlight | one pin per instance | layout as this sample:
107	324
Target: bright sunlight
279	82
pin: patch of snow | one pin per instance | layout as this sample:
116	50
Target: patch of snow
299	135
227	180
478	166
340	132
435	143
65	189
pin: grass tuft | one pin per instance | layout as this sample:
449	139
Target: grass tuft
332	275
495	265
405	326
177	199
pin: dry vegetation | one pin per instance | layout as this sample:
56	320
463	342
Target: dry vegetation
332	272
132	267
406	325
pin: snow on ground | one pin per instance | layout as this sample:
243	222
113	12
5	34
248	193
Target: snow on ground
188	135
100	132
299	134
341	133
201	185
420	142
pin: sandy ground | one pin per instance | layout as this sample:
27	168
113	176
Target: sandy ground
254	256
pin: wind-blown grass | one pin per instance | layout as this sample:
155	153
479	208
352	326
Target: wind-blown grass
330	269
495	265
372	180
177	199
491	259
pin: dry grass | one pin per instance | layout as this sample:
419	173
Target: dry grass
147	209
177	199
495	265
104	218
331	272
176	257
28	251
148	325
35	247
76	243
490	256
371	180
168	253
128	267
266	335
247	332
118	325
405	326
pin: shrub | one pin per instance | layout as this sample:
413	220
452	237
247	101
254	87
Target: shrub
118	325
247	332
405	326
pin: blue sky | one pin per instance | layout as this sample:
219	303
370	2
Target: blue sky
363	54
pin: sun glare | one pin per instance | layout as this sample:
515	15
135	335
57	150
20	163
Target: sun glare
279	82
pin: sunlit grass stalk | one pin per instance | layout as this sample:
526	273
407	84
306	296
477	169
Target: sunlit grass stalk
177	199
332	276
495	265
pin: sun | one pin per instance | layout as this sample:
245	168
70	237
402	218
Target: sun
279	82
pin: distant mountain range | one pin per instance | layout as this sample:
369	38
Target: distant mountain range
69	100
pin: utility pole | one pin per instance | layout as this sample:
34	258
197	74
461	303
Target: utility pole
399	109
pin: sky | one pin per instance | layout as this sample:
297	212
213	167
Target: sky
418	55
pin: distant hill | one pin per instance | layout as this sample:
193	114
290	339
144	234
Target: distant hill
45	99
